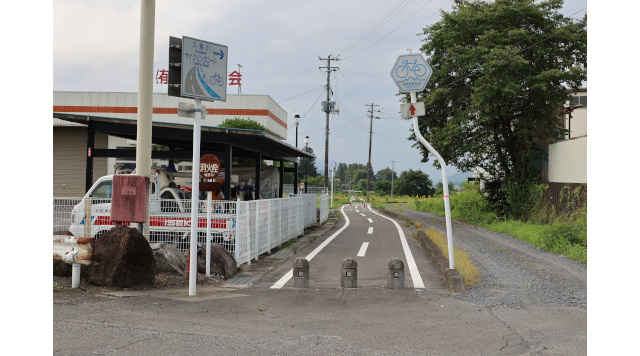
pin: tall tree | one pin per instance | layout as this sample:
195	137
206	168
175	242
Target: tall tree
415	183
386	174
341	171
307	163
501	71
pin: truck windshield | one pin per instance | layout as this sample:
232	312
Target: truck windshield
102	191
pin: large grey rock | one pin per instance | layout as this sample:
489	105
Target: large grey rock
122	257
168	259
222	262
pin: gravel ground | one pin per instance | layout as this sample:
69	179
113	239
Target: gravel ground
514	273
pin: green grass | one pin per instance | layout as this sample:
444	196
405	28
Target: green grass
564	234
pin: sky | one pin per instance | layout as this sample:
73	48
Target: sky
279	45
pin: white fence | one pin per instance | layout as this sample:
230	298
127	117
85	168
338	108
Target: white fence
245	228
324	208
288	189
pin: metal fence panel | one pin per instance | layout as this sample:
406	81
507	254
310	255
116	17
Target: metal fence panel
246	229
324	208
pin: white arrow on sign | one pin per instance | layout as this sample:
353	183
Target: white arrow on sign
409	110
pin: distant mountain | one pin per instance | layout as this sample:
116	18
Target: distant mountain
456	179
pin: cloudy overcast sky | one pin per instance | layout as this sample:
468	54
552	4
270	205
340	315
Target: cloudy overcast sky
278	43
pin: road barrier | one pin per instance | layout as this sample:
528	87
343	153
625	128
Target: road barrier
74	251
301	273
349	277
396	274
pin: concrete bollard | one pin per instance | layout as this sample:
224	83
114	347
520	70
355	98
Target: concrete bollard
396	274
301	273
349	271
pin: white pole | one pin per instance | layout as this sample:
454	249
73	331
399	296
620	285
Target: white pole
145	92
333	173
445	182
75	275
195	201
208	268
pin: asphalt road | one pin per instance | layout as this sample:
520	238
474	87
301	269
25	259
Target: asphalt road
325	319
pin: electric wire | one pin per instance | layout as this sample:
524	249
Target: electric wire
376	28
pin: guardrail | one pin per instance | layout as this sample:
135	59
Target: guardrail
75	251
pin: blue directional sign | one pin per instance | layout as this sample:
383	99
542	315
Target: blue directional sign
204	69
411	72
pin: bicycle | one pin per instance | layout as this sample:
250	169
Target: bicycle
417	69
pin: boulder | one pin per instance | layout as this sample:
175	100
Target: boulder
122	257
168	259
222	262
61	268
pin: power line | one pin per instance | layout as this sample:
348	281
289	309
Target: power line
375	28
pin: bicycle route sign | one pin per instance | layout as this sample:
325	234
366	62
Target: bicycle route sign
204	69
411	72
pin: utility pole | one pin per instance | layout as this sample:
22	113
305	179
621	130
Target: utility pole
370	136
392	162
327	111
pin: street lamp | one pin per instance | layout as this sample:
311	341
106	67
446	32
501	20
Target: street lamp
306	169
297	123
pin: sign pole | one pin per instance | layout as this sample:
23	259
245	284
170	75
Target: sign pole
445	182
195	200
209	194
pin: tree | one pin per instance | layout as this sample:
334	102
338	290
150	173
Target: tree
382	187
440	188
237	123
307	162
386	174
415	183
501	70
341	171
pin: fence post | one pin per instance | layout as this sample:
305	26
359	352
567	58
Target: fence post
237	239
269	224
255	229
87	217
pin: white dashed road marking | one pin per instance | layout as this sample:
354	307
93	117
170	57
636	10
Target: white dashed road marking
363	249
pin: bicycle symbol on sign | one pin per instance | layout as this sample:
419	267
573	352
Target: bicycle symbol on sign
417	69
216	79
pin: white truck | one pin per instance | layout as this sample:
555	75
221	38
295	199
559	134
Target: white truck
169	212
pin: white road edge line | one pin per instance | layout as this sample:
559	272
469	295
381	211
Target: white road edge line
371	221
363	249
370	230
413	268
282	281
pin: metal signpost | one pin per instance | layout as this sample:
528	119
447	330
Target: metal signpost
203	77
411	72
209	169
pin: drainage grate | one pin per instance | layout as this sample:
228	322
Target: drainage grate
242	280
283	254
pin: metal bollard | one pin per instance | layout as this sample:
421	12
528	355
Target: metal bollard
349	277
396	274
301	273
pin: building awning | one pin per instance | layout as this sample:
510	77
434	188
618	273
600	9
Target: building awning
179	139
